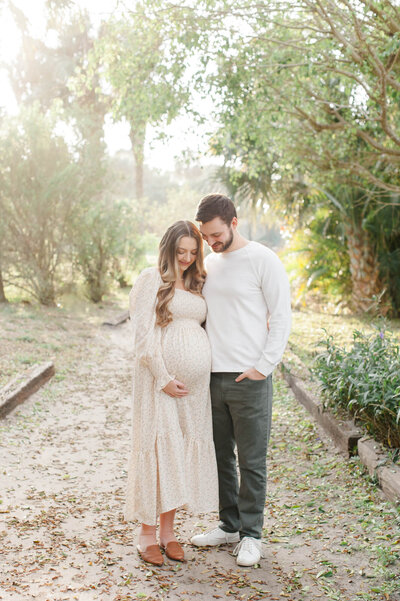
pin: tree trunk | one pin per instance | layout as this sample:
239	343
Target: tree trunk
45	290
139	179
118	273
137	137
3	298
367	289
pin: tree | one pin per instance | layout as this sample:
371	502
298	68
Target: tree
44	74
105	233
330	69
3	233
143	71
39	184
3	298
307	104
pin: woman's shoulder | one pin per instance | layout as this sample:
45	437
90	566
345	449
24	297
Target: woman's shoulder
150	273
148	277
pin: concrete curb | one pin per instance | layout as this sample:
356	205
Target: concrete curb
349	439
118	320
373	457
15	393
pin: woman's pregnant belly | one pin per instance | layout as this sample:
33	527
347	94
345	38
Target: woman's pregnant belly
187	353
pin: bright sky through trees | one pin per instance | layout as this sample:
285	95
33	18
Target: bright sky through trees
159	154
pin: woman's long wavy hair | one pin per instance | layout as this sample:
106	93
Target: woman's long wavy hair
194	275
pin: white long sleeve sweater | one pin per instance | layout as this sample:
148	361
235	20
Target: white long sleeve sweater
245	290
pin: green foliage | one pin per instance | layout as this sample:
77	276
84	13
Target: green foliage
317	258
39	183
306	119
365	381
56	196
107	243
307	106
44	73
178	204
384	227
142	70
56	208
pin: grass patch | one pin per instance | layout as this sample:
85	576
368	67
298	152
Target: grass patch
33	334
310	328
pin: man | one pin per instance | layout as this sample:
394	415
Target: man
248	324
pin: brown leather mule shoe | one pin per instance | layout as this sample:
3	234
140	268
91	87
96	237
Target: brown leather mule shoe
151	554
173	550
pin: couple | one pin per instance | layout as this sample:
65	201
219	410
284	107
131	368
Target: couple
183	445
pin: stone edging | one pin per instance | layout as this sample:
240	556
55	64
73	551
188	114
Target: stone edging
350	439
344	433
387	473
16	392
117	320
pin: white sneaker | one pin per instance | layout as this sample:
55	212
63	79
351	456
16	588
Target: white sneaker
248	551
215	537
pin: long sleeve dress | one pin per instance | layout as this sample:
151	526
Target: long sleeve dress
172	462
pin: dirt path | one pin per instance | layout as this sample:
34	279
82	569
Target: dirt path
328	532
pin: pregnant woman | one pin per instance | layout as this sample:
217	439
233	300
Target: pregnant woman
172	462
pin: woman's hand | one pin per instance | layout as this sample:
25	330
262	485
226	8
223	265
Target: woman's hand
175	388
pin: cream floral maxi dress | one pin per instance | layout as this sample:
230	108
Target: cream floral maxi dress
172	462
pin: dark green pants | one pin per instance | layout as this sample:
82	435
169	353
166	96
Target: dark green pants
242	416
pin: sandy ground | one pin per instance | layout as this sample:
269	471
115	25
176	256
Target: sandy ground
328	532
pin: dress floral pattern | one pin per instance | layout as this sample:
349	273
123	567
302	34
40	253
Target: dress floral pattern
172	462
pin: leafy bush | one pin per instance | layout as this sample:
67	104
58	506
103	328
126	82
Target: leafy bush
317	258
39	183
365	381
106	242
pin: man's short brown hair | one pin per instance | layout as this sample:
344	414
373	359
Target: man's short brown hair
216	205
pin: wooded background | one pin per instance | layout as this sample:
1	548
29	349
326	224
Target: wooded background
305	122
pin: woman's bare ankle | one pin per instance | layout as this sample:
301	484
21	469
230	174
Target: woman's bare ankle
147	536
167	537
167	533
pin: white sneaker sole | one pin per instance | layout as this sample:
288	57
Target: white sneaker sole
200	543
247	564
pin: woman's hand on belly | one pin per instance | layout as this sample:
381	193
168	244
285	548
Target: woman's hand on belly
175	388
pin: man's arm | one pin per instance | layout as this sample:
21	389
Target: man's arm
276	290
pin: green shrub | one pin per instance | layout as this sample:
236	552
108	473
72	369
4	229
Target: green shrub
365	381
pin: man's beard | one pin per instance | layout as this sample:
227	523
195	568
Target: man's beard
222	247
